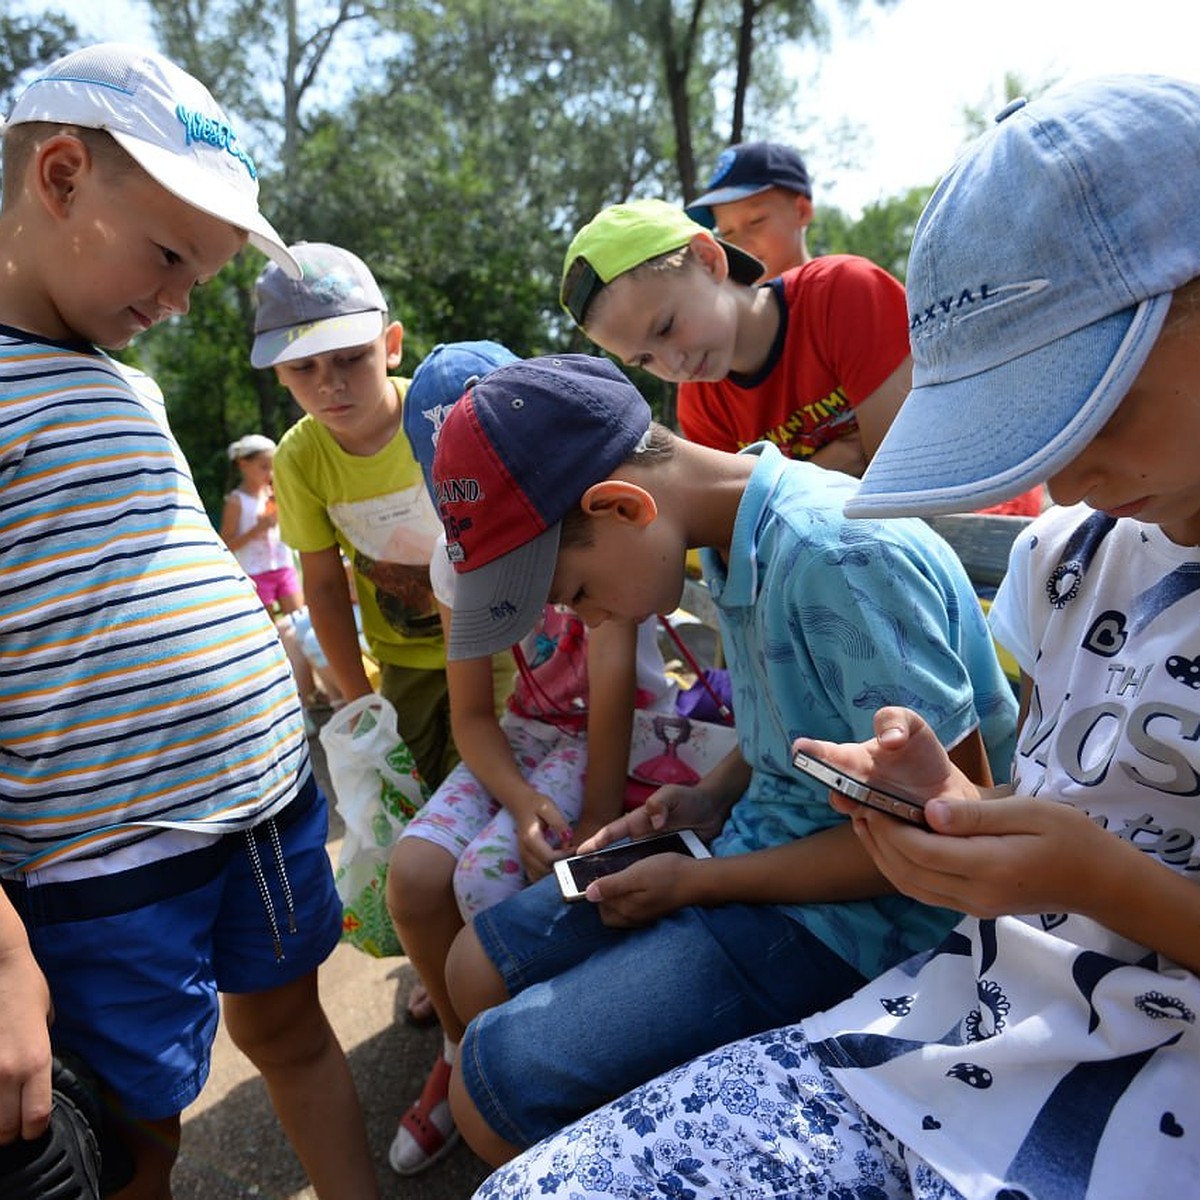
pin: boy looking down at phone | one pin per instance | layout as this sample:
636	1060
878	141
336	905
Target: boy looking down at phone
1049	1046
553	484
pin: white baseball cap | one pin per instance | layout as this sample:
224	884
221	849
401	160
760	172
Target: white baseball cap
167	122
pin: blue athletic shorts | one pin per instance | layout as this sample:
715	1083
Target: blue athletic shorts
135	959
596	1011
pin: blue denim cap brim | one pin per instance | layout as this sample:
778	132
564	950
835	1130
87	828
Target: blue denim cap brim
932	462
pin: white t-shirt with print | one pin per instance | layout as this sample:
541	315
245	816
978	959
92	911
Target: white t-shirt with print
1044	1056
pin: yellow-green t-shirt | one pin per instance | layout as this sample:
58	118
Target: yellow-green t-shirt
376	508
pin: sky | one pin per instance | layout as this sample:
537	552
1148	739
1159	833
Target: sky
902	76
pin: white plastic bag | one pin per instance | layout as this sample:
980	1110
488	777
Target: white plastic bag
376	790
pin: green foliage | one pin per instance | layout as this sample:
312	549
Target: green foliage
456	145
27	42
883	233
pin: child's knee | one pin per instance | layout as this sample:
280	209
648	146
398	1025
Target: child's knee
419	879
471	979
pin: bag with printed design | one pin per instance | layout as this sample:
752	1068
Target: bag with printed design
376	791
670	748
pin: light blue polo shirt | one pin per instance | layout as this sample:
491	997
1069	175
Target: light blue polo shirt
823	620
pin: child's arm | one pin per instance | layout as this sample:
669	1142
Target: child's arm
829	866
484	748
876	413
332	611
25	1056
612	687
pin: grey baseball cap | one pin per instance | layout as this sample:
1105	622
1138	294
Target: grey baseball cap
334	303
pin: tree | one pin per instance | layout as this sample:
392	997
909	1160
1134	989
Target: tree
27	42
883	233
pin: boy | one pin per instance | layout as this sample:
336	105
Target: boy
759	199
161	835
1053	1053
347	482
816	361
552	483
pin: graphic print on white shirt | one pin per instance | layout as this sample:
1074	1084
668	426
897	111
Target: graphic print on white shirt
1044	1056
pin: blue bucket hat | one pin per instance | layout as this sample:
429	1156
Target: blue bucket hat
437	384
1040	275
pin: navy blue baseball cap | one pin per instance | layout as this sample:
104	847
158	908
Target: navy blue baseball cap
438	384
745	170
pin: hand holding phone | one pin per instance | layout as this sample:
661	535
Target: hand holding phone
907	808
574	874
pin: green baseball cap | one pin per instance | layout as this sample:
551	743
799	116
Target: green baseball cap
624	236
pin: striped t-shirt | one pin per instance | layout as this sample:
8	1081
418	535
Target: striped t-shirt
142	687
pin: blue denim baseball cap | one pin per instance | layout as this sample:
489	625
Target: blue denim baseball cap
1040	275
437	384
745	170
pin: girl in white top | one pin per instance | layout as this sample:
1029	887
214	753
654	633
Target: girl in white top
250	526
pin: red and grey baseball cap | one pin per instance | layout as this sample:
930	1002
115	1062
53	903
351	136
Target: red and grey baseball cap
513	457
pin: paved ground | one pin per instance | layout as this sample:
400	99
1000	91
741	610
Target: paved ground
232	1146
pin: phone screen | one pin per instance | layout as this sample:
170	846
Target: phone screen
588	867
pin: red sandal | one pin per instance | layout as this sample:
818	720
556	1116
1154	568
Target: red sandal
427	1132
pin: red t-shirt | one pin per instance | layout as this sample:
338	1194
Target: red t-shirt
844	330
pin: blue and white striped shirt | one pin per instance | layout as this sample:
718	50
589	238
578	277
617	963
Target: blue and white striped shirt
142	686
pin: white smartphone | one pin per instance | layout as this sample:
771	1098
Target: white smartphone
574	874
907	808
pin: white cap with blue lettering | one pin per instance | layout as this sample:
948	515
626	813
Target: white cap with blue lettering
167	122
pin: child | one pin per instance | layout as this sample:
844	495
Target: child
161	835
1053	1053
250	526
815	361
759	199
346	480
821	618
545	776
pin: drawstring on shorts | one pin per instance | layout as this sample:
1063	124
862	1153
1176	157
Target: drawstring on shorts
264	891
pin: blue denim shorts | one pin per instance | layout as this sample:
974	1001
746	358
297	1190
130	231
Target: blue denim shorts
596	1011
135	959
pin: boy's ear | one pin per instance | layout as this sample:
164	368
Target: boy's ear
59	165
621	499
393	341
804	210
710	255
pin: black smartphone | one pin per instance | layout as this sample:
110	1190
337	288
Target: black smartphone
574	874
907	808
